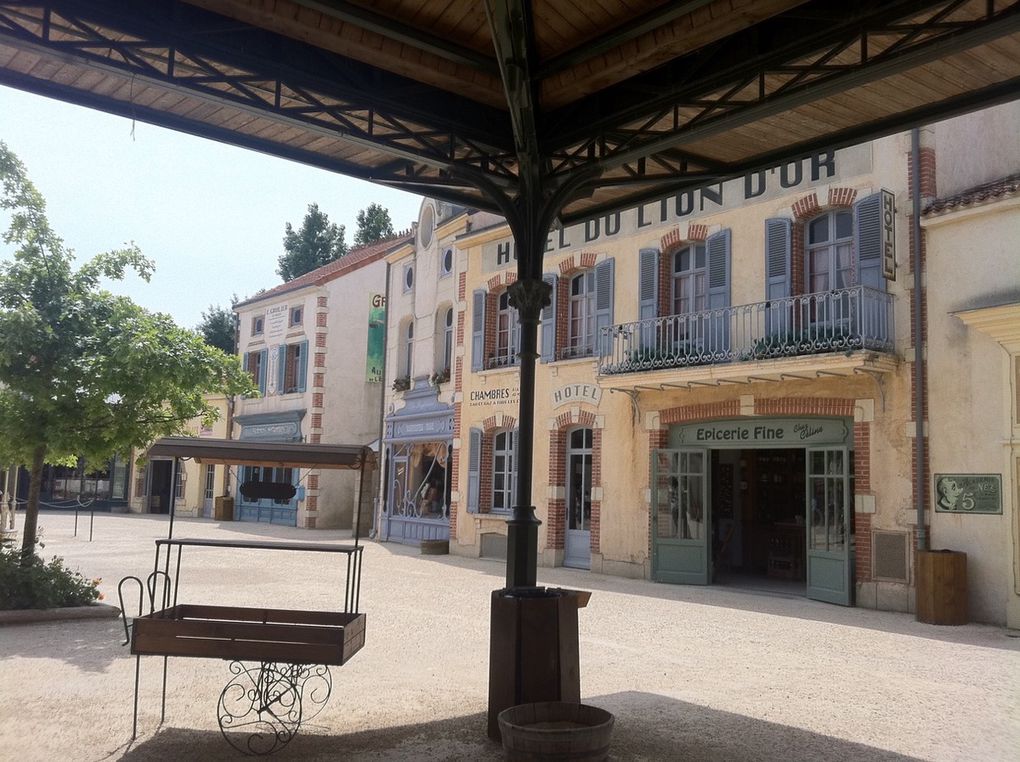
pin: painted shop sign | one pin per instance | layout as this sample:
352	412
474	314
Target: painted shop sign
574	393
499	395
798	175
276	321
376	338
888	235
968	493
274	431
752	432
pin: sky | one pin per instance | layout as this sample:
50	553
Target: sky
211	216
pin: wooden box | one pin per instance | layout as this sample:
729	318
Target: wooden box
250	634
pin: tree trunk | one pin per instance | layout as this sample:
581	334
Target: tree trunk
30	528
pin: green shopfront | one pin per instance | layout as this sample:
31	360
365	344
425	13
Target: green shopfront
757	499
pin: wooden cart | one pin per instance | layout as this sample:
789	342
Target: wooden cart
279	658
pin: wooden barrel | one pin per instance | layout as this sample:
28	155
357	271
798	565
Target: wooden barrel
555	730
941	587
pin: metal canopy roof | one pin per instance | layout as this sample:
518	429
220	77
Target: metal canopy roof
608	103
283	455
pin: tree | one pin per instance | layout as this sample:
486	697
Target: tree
317	243
373	225
217	327
83	372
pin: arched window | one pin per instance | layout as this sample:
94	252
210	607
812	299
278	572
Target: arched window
504	470
508	332
689	280
830	262
581	328
409	348
448	340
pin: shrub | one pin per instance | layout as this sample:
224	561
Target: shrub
42	584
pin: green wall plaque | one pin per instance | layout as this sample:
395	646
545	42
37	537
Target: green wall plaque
968	493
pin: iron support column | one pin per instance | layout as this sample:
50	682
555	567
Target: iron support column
528	295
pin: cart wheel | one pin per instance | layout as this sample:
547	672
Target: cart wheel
259	710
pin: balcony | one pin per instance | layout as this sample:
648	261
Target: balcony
841	321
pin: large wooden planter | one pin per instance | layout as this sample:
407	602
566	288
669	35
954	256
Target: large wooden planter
250	634
942	587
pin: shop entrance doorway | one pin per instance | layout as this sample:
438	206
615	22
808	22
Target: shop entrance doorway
758	519
767	517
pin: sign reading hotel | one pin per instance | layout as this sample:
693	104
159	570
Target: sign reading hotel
888	235
968	493
276	321
795	176
494	397
775	432
575	393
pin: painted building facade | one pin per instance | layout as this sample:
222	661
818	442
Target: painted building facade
726	386
192	486
314	346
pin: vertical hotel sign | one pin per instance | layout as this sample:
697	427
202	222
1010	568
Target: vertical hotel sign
888	235
376	338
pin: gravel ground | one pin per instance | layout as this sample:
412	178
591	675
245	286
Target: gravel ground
690	673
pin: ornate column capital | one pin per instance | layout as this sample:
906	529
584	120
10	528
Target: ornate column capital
528	297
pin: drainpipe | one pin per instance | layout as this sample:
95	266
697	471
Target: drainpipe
919	448
381	494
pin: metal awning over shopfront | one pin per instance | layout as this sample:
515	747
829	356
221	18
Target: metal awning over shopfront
278	455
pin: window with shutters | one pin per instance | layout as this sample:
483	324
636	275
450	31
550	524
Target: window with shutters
407	358
256	365
689	291
448	340
504	471
581	316
508	334
294	360
829	259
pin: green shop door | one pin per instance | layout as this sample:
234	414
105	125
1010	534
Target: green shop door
680	520
828	526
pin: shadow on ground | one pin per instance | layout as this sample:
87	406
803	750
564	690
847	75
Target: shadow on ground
648	727
91	645
743	599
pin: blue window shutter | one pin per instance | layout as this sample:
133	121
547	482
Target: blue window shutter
778	232
302	368
478	330
263	367
868	241
604	272
548	335
648	284
281	368
717	249
513	470
474	469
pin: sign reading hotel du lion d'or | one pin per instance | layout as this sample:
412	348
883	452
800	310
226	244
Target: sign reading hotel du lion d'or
795	176
774	432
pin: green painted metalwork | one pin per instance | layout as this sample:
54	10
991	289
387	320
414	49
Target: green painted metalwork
968	493
829	539
681	519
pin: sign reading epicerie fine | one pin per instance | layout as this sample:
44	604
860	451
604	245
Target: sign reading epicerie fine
575	393
772	432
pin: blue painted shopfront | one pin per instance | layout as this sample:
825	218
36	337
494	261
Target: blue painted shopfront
270	427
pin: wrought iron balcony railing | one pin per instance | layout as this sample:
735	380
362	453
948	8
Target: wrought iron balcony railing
833	321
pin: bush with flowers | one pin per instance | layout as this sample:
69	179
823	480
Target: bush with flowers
42	584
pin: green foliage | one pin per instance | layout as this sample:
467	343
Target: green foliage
373	225
217	327
317	243
83	372
41	584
